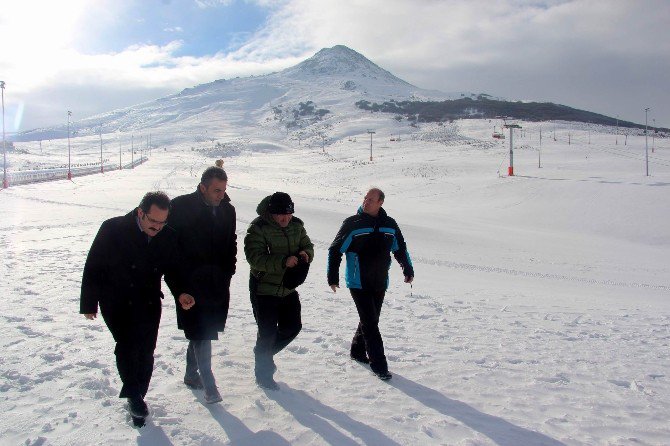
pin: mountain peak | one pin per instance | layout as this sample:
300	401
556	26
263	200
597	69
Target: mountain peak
342	61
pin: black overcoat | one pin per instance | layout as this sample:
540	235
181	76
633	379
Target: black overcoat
123	271
208	251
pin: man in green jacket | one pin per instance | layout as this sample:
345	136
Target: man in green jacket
276	242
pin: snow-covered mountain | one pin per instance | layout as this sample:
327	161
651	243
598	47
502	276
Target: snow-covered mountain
324	87
349	65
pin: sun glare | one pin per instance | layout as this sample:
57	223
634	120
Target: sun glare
36	32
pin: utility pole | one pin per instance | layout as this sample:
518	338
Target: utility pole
102	169
646	144
5	183
371	133
511	127
69	170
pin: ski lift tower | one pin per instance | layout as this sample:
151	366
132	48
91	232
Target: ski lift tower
511	127
371	132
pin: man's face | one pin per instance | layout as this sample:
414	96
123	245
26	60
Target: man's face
213	194
372	203
282	219
153	221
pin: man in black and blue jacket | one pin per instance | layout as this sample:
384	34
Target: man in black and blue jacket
367	239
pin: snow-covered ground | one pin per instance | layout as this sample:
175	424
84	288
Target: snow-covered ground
540	313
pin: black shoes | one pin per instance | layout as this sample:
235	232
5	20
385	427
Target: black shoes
363	359
267	383
384	376
212	396
193	382
137	407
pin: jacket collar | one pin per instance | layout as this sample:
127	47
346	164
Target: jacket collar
382	213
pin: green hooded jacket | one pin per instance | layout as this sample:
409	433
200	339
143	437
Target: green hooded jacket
267	246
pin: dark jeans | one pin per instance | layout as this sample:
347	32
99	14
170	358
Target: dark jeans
367	338
199	358
135	331
279	322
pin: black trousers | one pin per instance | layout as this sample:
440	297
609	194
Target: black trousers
368	339
279	322
135	330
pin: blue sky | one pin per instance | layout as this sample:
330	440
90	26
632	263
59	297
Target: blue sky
93	56
205	29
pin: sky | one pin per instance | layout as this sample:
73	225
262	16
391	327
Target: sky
92	56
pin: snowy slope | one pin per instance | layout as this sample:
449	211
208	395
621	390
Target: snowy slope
539	315
334	78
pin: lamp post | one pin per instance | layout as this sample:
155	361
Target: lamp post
102	169
371	133
646	144
69	169
5	183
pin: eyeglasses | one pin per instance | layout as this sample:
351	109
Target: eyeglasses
156	222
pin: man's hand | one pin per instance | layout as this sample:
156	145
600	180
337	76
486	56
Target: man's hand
291	262
186	301
90	316
409	279
334	287
304	256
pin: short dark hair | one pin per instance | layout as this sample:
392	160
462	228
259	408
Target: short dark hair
158	198
213	172
379	191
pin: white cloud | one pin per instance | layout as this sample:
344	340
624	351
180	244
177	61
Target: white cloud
599	55
607	57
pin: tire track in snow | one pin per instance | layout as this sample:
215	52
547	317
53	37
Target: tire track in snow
551	276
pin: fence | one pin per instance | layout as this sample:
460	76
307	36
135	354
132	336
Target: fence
60	173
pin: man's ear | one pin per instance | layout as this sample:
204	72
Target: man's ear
140	212
202	188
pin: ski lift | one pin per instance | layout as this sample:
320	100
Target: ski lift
498	135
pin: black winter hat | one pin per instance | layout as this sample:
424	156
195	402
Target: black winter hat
280	203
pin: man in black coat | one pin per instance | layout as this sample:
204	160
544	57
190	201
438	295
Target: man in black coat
205	225
367	239
122	275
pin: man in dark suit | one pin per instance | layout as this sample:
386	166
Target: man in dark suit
205	224
122	275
